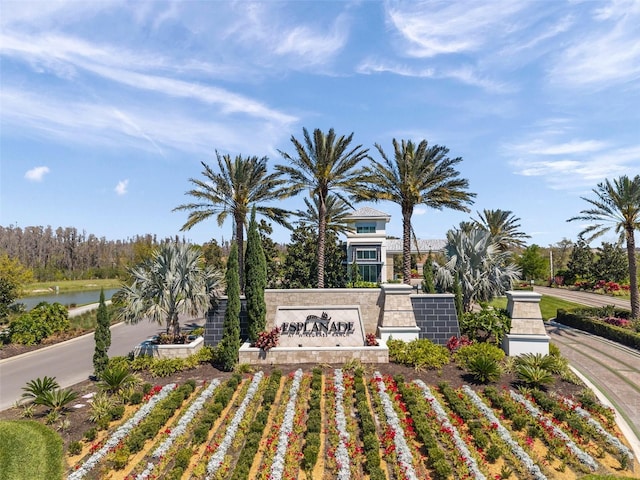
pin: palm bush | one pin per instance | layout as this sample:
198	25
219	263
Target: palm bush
57	400
484	368
38	387
534	376
546	362
115	379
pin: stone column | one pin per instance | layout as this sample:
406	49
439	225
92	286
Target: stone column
527	334
398	320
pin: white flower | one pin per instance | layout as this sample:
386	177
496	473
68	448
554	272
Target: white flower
517	450
121	432
277	467
581	455
218	456
443	419
405	457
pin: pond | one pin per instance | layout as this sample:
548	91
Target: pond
68	298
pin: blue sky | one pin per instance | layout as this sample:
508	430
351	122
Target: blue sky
108	108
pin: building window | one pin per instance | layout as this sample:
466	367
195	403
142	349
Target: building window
366	228
366	254
370	273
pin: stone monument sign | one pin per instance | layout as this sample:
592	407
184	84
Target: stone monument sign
326	326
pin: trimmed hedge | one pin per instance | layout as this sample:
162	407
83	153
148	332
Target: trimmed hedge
600	328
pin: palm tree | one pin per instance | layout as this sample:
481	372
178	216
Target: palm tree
336	214
415	175
240	183
481	267
173	281
324	163
617	205
503	226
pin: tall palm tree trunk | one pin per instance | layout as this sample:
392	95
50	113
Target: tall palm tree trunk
173	325
406	245
633	274
322	234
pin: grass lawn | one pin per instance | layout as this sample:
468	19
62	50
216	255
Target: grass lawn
39	288
548	305
29	451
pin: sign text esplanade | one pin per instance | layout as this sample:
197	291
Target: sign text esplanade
324	326
318	326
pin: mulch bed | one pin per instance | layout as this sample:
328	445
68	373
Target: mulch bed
79	422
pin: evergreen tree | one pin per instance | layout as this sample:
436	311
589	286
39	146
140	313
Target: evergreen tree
533	264
102	336
300	265
428	285
272	254
255	268
230	343
612	264
580	265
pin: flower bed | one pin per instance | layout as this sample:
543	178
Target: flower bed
271	429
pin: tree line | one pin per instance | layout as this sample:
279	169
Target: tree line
67	253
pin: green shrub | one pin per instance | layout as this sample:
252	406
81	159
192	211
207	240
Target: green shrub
165	367
582	321
464	355
182	458
42	321
146	388
75	448
117	411
121	457
135	398
91	434
141	362
421	353
489	324
484	369
493	453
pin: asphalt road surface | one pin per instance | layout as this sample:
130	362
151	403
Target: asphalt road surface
70	362
584	298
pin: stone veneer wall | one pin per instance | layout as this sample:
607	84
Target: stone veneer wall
215	320
436	316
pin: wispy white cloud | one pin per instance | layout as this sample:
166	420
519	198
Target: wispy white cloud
573	165
607	53
436	28
64	55
465	74
98	123
121	187
36	174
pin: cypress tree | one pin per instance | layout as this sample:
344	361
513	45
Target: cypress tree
102	336
255	267
427	277
230	343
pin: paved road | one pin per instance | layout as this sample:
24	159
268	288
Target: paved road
70	362
584	298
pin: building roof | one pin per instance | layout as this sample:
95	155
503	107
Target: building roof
394	245
368	212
